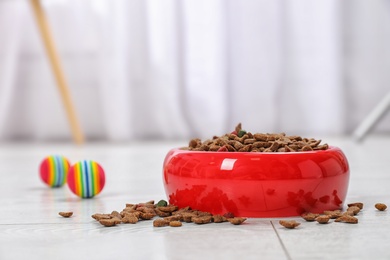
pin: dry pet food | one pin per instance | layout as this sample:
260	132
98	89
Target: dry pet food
354	209
66	214
108	222
170	215
162	203
347	219
348	212
170	208
201	219
323	219
236	220
347	216
99	216
310	216
242	141
333	213
130	218
289	223
357	204
380	206
160	222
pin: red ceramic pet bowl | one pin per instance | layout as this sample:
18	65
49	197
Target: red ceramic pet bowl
255	184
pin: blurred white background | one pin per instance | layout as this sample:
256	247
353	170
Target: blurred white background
174	69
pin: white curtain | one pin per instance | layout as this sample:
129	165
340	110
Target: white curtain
177	69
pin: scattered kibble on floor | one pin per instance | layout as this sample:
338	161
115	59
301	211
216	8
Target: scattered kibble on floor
170	215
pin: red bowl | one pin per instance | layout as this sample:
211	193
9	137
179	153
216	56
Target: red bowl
250	184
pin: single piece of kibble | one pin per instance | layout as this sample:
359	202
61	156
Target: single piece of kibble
66	214
289	223
162	203
86	178
53	170
241	133
108	222
347	219
236	220
160	222
323	219
380	206
169	208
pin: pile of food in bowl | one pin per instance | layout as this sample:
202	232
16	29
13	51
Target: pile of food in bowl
257	175
241	141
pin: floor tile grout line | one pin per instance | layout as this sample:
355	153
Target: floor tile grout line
280	241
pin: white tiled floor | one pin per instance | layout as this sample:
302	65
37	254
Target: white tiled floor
31	228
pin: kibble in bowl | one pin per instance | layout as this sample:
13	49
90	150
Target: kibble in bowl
272	182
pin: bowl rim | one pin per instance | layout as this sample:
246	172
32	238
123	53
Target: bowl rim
331	148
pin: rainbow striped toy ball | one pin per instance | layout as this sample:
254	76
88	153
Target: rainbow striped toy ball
53	170
86	179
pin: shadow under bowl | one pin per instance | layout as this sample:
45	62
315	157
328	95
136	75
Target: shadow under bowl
251	184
